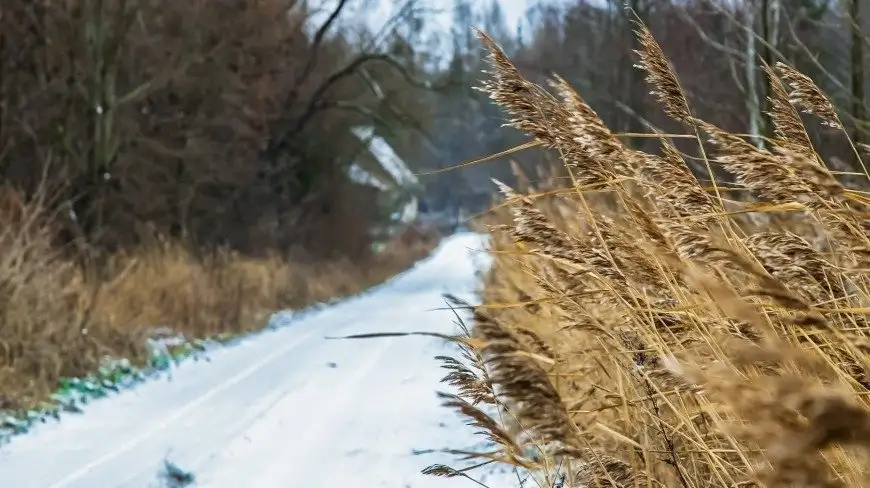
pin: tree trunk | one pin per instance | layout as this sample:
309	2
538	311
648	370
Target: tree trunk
753	101
857	71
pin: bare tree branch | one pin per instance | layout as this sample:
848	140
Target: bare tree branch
311	63
317	102
722	47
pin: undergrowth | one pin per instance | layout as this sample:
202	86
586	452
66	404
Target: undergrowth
639	328
71	331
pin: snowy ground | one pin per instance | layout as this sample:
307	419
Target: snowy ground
284	408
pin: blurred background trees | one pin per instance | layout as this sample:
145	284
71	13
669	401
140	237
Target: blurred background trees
229	122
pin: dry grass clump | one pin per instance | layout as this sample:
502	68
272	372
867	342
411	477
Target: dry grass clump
639	329
59	318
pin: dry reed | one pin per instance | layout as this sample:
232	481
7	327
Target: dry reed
655	334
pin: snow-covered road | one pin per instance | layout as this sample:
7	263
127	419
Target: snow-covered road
283	408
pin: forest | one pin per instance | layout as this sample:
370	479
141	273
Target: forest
228	122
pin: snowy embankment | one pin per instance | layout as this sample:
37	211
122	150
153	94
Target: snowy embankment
283	408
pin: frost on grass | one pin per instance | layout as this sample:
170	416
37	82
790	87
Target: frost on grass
114	375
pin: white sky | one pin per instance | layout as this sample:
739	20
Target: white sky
514	10
378	12
440	25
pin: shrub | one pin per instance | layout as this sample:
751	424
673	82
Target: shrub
62	317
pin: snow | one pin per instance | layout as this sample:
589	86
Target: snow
286	407
359	175
386	156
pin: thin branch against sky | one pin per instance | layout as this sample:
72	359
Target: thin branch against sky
514	10
439	12
373	20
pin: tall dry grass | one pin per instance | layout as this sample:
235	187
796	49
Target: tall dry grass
60	318
640	328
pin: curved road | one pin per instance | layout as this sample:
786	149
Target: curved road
284	408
